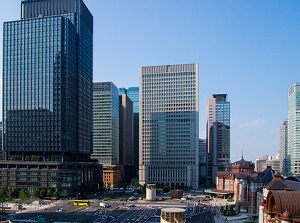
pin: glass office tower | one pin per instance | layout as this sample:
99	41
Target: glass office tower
218	134
169	121
293	130
106	123
47	83
133	94
47	78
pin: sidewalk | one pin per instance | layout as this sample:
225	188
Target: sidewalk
235	219
219	218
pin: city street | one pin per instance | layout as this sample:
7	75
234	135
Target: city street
118	212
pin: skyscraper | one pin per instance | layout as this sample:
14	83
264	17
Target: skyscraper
47	88
202	163
283	148
126	130
133	94
169	121
293	136
126	136
218	134
106	123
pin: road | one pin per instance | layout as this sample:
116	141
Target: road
119	212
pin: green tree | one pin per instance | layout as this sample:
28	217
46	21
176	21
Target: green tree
125	185
36	193
3	196
135	182
49	193
43	193
23	195
231	210
166	188
55	193
14	193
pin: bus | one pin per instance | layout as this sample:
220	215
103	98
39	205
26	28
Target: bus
81	203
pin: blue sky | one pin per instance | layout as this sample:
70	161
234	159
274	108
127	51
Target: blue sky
248	49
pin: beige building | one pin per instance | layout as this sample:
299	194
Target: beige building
169	125
173	215
112	175
263	162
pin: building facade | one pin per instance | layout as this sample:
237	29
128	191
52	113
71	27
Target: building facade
260	163
293	135
202	163
2	153
125	130
133	94
263	162
169	119
106	123
244	184
113	176
126	140
283	148
218	134
47	89
280	207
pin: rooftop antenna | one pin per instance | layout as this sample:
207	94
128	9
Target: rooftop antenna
242	154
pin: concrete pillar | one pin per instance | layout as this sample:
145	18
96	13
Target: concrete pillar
261	214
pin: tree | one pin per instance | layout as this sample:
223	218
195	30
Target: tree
43	193
124	185
3	196
36	193
14	193
55	194
23	195
166	188
49	193
135	182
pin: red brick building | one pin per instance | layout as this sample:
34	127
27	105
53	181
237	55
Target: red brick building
243	183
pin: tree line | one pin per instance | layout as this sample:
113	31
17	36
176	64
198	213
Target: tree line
8	194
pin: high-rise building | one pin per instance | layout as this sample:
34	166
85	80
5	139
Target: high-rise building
125	130
133	94
218	134
2	153
261	163
106	123
283	148
169	121
47	95
202	163
126	137
293	136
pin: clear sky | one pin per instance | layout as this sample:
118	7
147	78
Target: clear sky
249	49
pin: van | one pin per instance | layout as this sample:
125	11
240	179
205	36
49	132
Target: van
104	205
